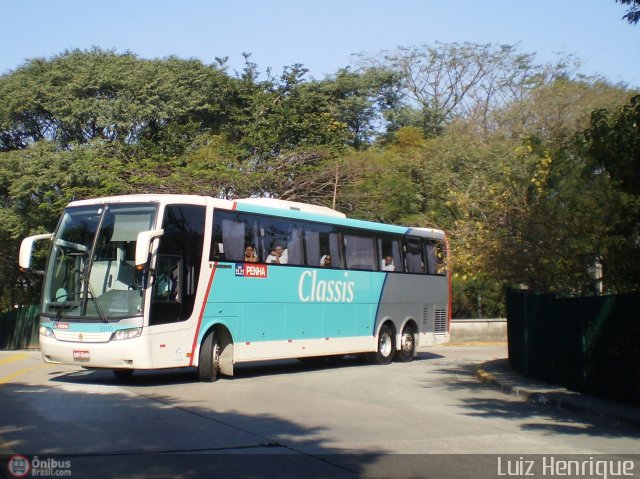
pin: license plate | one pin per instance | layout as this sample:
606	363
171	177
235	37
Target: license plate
81	356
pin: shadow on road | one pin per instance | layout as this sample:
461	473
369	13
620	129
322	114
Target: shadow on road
484	404
106	431
241	371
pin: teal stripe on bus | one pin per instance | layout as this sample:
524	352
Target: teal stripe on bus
334	220
274	303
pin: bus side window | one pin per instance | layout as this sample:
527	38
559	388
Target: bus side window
360	251
322	241
282	241
232	233
436	255
413	255
390	254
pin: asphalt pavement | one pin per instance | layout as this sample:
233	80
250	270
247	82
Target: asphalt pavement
498	374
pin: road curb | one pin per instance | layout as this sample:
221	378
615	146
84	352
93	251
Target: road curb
551	400
486	378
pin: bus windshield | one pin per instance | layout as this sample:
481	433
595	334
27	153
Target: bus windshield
91	272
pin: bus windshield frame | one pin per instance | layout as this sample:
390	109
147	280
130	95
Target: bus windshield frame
91	273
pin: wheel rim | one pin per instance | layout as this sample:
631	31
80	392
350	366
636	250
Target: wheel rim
408	342
385	344
216	356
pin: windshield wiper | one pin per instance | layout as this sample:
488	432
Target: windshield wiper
92	295
61	307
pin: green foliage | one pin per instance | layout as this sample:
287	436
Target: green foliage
479	296
633	13
612	145
502	164
81	96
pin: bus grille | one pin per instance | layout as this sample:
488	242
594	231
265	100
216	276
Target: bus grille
441	321
82	337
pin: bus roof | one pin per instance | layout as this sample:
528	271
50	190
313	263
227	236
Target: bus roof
272	206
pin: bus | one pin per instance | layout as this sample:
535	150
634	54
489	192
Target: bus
171	281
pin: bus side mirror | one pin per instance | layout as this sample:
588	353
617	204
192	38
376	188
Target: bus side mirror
26	251
143	246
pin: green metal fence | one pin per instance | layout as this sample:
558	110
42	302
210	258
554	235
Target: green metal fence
588	344
19	328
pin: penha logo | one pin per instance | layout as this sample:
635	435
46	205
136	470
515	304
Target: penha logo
252	270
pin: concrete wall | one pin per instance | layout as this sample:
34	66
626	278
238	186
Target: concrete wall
464	330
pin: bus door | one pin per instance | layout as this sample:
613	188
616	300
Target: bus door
175	284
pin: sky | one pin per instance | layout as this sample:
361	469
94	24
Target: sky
322	35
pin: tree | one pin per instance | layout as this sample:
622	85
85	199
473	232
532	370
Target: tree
633	14
35	185
363	101
80	96
554	112
613	147
614	143
446	81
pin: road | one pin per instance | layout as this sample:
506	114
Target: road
428	418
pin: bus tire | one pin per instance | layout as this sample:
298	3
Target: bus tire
386	346
209	360
407	344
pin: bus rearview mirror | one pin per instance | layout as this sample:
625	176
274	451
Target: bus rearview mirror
143	246
26	250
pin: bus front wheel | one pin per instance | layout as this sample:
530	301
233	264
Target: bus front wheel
386	346
209	360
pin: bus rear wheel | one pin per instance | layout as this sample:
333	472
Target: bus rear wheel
209	359
386	346
407	344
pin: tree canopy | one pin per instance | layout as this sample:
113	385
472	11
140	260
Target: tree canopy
633	13
531	169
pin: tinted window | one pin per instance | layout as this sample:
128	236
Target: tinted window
360	251
282	241
178	264
435	252
233	233
322	245
413	255
389	249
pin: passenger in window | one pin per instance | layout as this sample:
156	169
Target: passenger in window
325	261
278	255
250	255
387	263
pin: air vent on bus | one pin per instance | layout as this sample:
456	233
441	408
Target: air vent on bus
441	321
425	317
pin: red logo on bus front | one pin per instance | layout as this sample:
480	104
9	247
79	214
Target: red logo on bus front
252	270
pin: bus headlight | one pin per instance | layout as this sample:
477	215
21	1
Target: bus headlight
46	332
126	334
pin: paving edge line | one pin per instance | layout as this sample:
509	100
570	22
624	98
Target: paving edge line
548	399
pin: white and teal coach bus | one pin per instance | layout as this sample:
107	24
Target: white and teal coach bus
162	281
